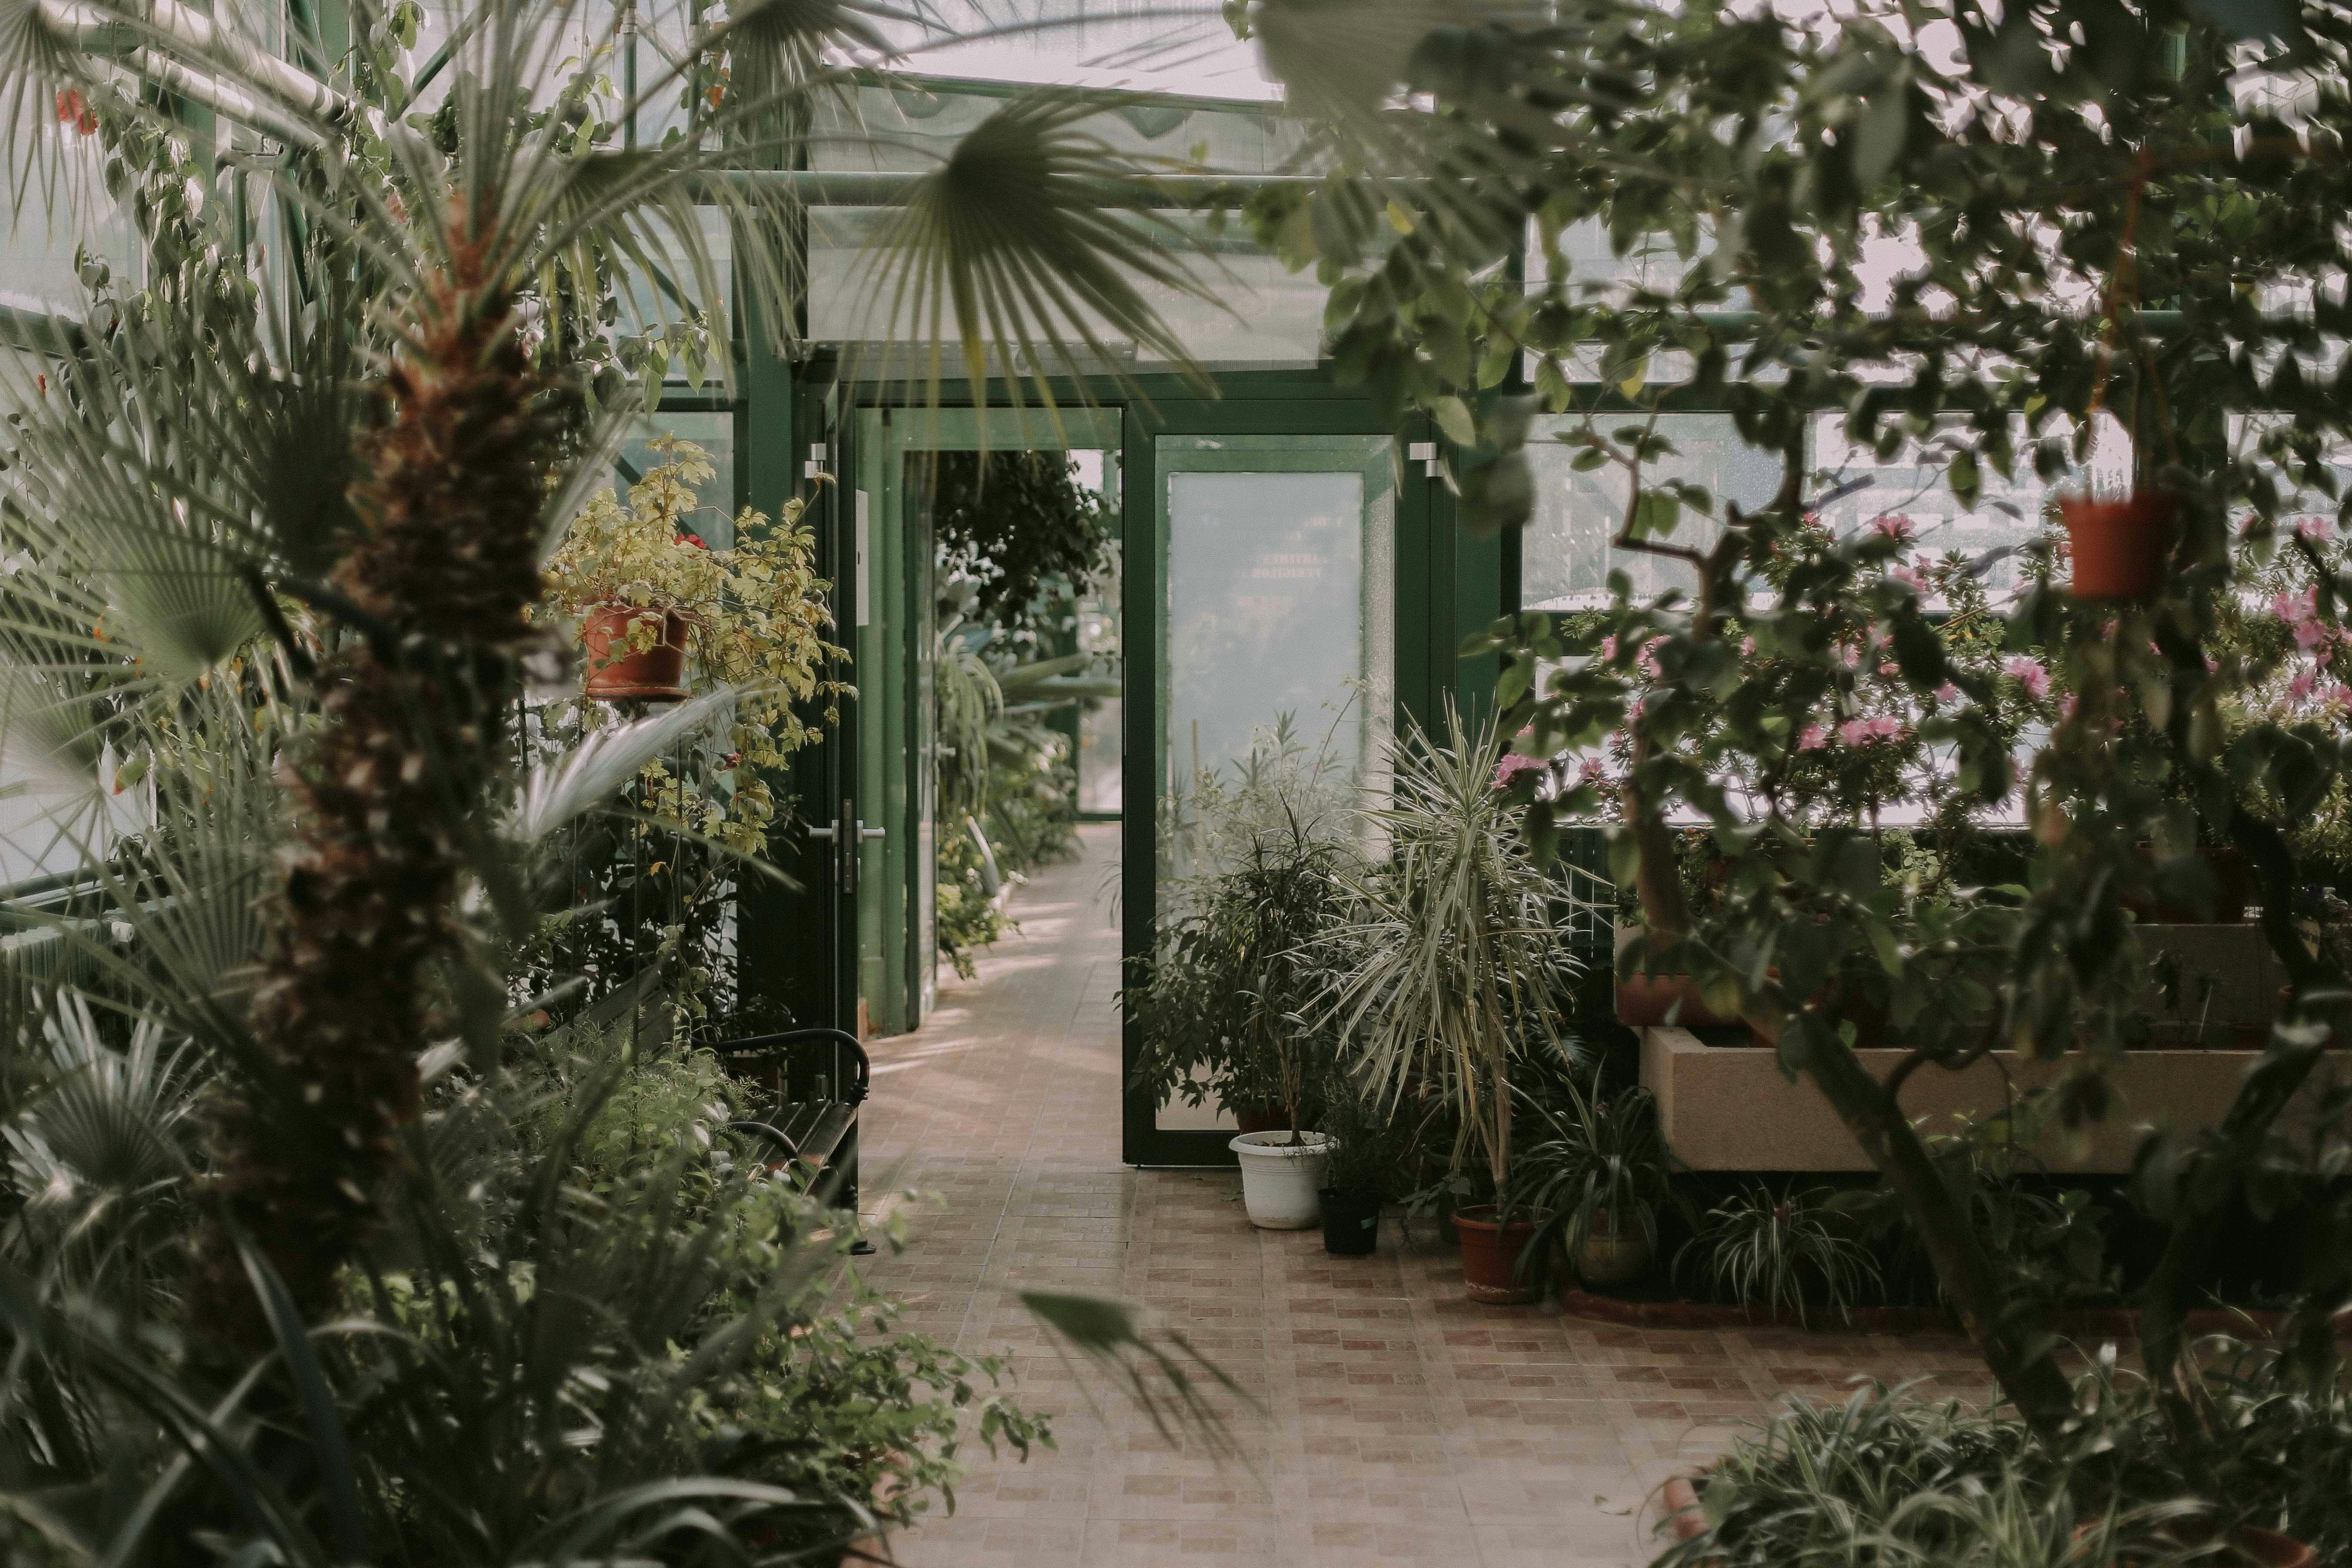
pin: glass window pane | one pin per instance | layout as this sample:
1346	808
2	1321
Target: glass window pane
715	434
1566	557
1281	556
1859	489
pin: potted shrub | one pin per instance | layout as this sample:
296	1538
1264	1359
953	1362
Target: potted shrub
1456	968
1368	1149
650	593
1598	1171
1226	1003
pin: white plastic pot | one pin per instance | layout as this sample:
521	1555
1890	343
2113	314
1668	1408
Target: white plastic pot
1282	1183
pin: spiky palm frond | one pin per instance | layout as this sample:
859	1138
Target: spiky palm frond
1024	248
101	1158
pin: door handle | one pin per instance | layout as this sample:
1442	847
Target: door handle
846	843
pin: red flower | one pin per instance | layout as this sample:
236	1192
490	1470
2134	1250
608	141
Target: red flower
693	538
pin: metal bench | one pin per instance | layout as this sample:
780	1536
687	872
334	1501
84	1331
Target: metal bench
811	1082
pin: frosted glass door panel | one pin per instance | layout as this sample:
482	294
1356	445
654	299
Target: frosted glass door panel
1265	609
1278	652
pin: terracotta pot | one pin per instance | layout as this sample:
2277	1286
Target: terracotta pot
1490	1257
1646	1000
1611	1255
656	675
2234	892
2249	1547
2119	547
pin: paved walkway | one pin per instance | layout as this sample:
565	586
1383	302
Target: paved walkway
1400	1423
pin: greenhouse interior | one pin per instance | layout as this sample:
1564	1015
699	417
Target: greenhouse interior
1036	781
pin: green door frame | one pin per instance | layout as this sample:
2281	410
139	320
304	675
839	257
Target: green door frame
897	742
1448	586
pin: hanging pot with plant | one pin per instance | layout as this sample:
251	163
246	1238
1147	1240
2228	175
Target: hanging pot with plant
2118	548
635	654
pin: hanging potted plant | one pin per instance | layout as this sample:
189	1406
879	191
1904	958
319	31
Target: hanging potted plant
650	594
1459	969
2118	547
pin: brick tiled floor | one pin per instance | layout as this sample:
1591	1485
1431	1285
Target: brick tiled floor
1396	1422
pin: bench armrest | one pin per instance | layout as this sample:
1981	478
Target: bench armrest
774	1046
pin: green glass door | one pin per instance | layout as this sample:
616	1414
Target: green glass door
897	652
1270	620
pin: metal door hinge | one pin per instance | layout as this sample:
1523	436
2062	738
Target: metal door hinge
1425	454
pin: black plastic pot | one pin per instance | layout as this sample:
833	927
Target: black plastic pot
1352	1221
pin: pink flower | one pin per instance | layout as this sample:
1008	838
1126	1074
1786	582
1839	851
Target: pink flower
2314	529
1892	525
2066	706
1813	739
1889	668
1947	692
2302	685
1609	648
1747	648
1851	657
1513	765
1590	771
2311	634
2338	698
1910	577
2296	609
2030	674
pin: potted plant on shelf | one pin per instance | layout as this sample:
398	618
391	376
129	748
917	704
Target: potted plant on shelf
1455	969
1598	1171
650	593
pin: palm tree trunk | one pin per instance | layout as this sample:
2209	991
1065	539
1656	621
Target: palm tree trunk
385	791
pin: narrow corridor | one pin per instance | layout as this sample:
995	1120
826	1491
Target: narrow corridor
1399	1422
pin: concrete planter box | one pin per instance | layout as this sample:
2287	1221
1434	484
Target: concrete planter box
1727	1107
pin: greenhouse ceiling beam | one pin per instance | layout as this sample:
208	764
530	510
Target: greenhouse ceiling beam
28	325
107	31
847	188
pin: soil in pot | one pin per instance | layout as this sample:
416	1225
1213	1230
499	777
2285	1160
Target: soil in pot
1490	1257
656	675
1352	1221
1281	1180
1611	1255
2118	547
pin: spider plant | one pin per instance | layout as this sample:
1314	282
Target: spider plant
1456	969
1780	1252
1598	1165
